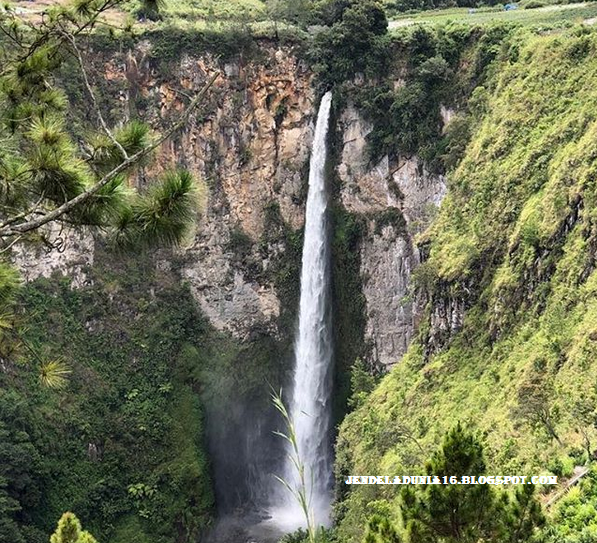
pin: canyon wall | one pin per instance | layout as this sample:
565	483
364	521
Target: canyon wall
250	145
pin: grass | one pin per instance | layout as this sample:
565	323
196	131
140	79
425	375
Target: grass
515	240
548	15
215	10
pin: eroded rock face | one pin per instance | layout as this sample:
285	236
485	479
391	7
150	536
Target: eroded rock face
72	255
250	143
399	199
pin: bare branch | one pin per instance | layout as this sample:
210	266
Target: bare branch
9	246
68	206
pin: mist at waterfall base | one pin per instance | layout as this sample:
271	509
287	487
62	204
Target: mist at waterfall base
253	506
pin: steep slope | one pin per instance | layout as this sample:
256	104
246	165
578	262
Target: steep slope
508	342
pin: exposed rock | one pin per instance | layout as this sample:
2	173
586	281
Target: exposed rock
387	260
388	253
73	255
364	186
447	318
251	143
232	302
422	192
251	148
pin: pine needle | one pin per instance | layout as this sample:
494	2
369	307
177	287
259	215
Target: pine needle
54	374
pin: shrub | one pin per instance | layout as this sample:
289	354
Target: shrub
355	42
533	4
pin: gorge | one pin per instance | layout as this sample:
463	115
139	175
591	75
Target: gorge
439	203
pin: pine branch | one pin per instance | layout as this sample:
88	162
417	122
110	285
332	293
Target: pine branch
68	206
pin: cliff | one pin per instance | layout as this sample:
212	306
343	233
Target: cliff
506	345
249	146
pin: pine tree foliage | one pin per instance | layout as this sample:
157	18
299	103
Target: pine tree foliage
46	176
381	530
53	373
451	513
49	176
69	531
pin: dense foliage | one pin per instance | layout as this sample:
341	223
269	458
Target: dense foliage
467	513
513	249
354	41
441	68
121	443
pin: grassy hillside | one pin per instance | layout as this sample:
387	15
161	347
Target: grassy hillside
530	12
515	244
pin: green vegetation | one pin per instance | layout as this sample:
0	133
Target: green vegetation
574	518
69	531
439	67
217	14
121	443
530	13
46	178
209	11
103	390
453	513
513	246
355	41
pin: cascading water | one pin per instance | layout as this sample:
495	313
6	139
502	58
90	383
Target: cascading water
310	406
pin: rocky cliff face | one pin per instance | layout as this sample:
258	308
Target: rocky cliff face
398	199
251	145
251	148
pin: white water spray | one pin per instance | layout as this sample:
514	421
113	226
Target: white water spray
310	406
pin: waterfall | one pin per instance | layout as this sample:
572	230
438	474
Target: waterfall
310	408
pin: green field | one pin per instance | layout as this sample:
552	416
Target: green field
215	9
546	15
212	11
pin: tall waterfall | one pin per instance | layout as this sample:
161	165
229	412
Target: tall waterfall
310	406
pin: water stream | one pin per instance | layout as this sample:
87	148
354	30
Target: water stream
311	389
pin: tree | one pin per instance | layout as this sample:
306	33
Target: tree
451	512
438	513
355	41
361	384
523	515
9	529
534	402
21	474
69	531
48	177
381	530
